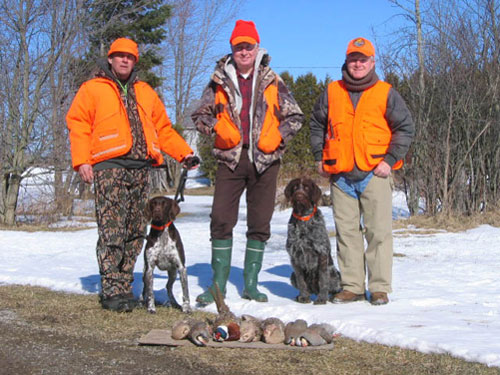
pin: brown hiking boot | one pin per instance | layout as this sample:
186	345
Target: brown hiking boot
379	298
345	296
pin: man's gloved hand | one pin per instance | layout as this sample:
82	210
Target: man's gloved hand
191	162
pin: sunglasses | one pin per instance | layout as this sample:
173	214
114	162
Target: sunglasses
244	46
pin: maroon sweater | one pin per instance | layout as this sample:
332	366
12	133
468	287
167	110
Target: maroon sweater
246	94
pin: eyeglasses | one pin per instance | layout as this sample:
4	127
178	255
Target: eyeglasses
244	46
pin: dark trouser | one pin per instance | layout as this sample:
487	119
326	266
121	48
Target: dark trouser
260	196
120	198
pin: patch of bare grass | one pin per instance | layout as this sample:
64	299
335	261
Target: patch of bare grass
79	317
203	190
41	227
450	223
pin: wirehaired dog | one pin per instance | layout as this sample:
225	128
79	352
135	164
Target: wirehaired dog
308	244
164	250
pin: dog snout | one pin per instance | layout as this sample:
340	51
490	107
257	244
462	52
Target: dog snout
157	212
300	192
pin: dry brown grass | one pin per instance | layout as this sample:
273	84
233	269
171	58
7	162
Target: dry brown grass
79	317
451	223
40	228
205	190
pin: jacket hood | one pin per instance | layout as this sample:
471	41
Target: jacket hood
105	71
227	66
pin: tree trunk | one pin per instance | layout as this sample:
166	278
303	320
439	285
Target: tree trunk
12	183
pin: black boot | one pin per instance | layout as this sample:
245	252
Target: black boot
116	303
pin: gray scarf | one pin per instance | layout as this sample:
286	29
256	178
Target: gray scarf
357	85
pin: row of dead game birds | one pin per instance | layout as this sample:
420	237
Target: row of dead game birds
228	327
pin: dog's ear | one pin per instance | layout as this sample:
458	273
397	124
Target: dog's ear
174	209
315	192
289	188
148	210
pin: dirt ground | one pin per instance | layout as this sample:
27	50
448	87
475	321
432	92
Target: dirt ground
48	332
25	349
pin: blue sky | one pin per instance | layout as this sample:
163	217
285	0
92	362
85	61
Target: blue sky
312	35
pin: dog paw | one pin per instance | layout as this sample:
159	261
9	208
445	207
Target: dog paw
186	309
302	299
320	301
152	311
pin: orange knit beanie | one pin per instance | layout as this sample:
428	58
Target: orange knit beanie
244	31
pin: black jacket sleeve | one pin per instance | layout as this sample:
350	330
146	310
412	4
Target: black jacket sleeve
401	123
318	125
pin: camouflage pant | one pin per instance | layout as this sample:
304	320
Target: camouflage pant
120	199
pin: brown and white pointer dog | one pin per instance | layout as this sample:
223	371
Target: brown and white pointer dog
164	250
308	244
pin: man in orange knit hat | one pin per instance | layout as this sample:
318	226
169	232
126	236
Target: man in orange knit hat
248	109
117	127
361	129
252	115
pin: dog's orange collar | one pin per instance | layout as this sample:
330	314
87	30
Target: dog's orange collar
161	227
305	218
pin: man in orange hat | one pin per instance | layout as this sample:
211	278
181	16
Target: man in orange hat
361	129
118	127
248	109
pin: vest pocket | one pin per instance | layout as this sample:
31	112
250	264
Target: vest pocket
271	140
376	146
227	135
332	160
376	137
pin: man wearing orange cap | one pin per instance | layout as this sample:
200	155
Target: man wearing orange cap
361	129
251	114
118	127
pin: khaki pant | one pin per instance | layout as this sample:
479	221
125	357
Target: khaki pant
373	210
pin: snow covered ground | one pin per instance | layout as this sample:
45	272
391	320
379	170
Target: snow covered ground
446	285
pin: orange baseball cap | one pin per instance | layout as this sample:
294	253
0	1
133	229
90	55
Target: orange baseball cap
244	31
124	45
361	45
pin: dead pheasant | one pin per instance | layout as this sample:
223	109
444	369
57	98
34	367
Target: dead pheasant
226	326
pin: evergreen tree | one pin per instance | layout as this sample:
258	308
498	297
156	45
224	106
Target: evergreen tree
298	158
208	164
141	20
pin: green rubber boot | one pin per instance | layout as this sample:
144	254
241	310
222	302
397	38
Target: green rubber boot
221	264
253	263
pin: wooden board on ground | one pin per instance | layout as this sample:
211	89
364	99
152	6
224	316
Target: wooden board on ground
163	337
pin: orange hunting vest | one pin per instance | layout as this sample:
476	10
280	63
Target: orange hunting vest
360	136
228	134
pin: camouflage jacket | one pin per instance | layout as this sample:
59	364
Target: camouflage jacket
291	116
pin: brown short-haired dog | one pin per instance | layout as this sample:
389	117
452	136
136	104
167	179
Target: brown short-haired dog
164	250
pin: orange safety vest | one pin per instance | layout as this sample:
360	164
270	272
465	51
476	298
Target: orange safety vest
360	136
228	135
